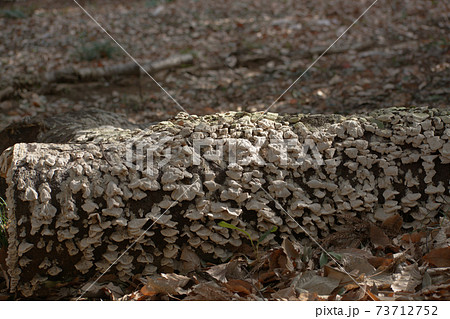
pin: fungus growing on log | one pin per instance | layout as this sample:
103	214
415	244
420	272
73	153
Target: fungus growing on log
80	195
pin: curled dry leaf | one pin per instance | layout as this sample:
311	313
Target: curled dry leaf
227	271
268	277
239	286
113	291
278	259
289	249
292	254
134	296
309	296
380	263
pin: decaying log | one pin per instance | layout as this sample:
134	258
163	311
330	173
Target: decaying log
73	208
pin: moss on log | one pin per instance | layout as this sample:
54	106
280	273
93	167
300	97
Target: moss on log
79	200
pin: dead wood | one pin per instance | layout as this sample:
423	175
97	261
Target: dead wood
74	74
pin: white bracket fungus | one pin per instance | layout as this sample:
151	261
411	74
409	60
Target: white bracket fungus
68	200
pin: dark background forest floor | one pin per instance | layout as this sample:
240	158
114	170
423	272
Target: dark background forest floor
246	53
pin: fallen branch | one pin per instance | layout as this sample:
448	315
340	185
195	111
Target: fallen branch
74	74
150	194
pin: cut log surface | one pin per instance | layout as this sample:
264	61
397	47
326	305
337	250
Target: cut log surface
77	200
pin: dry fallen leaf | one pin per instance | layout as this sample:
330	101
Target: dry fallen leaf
226	271
285	294
439	257
355	293
437	292
372	296
114	291
378	237
380	263
337	274
291	253
436	284
278	259
209	291
165	284
309	296
408	278
4	296
413	237
267	277
356	259
406	70
239	286
313	283
361	264
134	296
442	235
190	259
92	290
393	223
289	249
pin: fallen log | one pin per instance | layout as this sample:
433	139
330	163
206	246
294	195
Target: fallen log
74	74
136	201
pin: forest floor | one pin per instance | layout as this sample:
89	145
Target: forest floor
246	54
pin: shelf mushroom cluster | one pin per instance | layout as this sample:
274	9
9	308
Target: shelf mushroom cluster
74	209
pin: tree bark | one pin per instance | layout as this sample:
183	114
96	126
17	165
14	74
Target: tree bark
81	194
